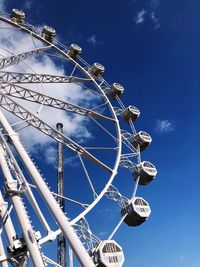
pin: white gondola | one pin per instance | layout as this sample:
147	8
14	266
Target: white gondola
146	172
97	69
108	254
17	16
74	50
131	113
115	90
48	33
142	139
138	211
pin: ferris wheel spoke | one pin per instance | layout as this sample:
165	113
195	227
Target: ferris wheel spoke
20	77
100	148
104	129
51	262
22	113
100	106
128	155
88	177
84	205
17	91
89	89
17	58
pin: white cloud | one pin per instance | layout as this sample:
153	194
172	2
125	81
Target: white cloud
140	17
92	40
155	20
75	126
149	14
164	126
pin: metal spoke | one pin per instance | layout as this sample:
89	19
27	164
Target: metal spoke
50	261
17	58
16	109
71	200
100	148
20	77
88	177
128	155
100	106
88	89
104	129
17	91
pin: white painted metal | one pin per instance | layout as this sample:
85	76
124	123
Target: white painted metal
15	59
53	206
101	85
19	175
28	232
83	66
71	262
7	223
4	263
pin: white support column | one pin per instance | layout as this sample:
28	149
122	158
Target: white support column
71	260
28	233
53	206
28	191
2	253
6	221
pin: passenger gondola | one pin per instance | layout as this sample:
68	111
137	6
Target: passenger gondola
97	69
138	211
141	139
145	171
17	16
131	113
108	254
74	50
116	90
48	33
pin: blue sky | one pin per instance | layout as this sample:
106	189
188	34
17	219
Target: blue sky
152	48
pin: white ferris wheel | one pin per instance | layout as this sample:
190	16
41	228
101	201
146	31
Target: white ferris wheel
50	97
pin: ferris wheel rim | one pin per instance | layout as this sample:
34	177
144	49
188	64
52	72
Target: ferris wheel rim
106	99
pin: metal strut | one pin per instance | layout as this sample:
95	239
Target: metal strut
31	242
9	104
16	59
61	202
52	204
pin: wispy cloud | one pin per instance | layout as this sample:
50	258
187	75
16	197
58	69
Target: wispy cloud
149	13
164	126
75	126
92	40
140	17
155	20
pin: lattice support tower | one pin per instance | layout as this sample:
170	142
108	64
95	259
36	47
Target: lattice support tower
61	239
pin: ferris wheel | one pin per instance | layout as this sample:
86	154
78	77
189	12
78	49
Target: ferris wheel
51	97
